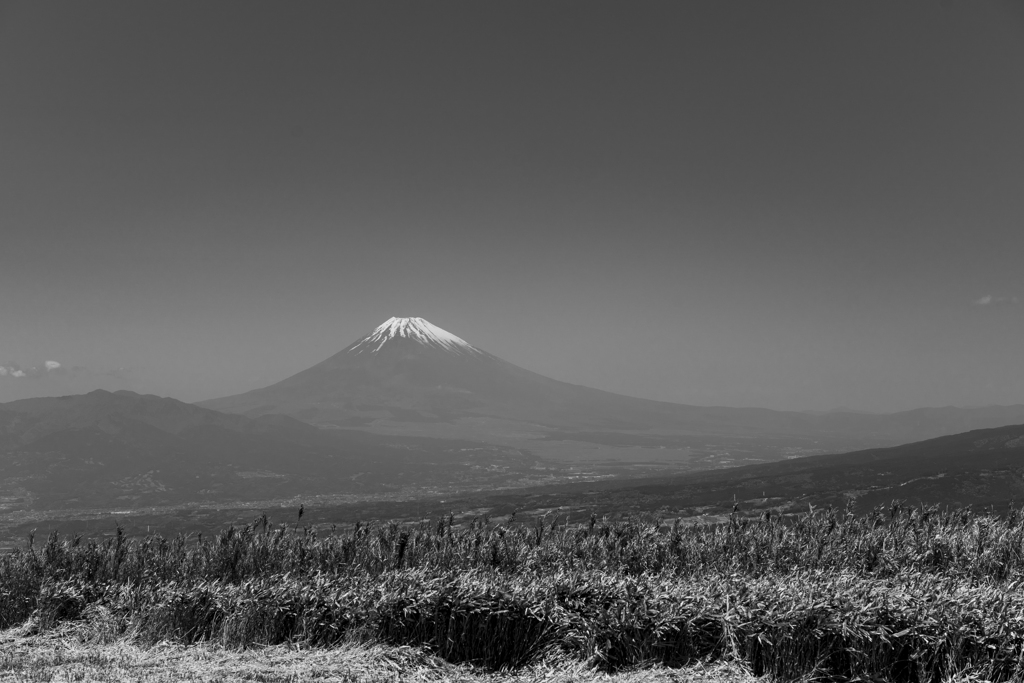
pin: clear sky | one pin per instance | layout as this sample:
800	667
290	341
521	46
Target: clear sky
794	205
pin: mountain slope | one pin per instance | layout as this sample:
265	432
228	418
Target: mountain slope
123	449
980	467
410	371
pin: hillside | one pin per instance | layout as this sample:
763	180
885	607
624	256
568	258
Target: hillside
905	596
979	468
123	449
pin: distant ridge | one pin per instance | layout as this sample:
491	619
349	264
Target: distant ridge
408	371
980	467
125	449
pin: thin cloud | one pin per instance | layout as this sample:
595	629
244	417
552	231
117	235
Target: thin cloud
992	300
50	367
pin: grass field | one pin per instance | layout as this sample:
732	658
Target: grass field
899	595
70	654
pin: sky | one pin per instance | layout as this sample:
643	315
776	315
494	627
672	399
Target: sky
791	205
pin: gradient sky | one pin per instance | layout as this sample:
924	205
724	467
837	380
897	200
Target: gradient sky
795	205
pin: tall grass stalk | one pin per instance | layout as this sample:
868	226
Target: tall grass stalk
905	594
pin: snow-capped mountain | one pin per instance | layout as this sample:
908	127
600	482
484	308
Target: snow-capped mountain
406	369
409	370
414	329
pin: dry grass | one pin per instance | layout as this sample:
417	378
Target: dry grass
68	654
905	595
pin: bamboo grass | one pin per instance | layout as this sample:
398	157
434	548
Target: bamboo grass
903	594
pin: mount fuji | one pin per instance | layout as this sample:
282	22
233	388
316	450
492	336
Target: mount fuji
409	370
412	376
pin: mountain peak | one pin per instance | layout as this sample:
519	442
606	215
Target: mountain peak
415	329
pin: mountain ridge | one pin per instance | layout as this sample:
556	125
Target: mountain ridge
121	448
977	467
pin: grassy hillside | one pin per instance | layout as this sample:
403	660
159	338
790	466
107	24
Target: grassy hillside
900	594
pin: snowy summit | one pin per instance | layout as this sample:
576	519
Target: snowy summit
416	329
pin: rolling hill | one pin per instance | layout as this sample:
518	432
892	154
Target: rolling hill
982	467
124	449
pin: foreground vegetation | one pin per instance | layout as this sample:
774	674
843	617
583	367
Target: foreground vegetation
68	654
900	594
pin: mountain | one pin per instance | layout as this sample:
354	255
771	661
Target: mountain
124	449
981	467
409	374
